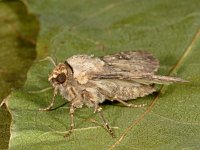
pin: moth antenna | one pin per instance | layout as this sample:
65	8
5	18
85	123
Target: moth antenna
49	59
56	60
41	91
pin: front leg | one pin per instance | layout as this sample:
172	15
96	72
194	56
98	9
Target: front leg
52	102
75	103
71	112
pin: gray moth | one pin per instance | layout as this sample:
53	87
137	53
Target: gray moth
88	80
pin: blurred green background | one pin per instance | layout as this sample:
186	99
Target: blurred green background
18	32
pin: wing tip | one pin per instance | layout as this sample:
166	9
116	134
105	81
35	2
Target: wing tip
169	79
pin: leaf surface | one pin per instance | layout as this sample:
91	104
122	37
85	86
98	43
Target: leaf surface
168	29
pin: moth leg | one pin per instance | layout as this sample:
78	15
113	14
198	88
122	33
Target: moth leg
71	112
130	105
87	96
99	110
52	102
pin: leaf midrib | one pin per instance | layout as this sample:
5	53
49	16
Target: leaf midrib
155	99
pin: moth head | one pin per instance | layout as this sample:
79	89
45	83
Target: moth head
60	74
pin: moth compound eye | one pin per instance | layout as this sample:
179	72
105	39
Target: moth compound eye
61	78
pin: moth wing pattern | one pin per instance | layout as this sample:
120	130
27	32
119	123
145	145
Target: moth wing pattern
85	66
137	66
132	61
128	70
118	76
115	89
133	72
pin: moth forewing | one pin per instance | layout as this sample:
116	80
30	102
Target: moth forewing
87	80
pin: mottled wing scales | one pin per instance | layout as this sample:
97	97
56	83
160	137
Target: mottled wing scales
157	79
122	90
132	61
135	66
141	78
127	93
84	66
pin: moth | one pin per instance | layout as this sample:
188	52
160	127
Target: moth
88	80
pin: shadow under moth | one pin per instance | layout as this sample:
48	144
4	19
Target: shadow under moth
87	80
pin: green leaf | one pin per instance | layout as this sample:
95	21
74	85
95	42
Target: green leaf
16	55
168	29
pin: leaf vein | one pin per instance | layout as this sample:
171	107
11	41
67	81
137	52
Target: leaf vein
174	68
